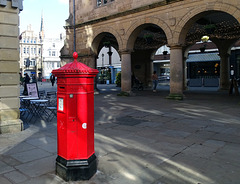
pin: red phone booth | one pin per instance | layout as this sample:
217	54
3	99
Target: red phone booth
75	121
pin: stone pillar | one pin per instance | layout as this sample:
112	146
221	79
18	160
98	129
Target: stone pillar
224	48
126	72
9	69
176	73
224	71
93	64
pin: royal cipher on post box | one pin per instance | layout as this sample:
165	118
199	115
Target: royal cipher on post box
75	121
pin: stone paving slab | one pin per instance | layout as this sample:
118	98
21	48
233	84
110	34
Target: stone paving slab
30	155
38	167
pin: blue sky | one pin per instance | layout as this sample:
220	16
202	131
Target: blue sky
55	12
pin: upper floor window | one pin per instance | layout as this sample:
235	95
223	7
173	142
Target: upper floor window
53	53
103	2
53	44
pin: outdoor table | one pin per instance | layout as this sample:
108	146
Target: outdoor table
25	104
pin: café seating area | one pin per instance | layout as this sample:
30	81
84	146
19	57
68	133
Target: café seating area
41	106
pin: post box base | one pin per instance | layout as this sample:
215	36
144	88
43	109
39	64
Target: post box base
74	170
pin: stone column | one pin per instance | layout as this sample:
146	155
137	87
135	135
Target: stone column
93	64
224	47
126	71
224	71
9	69
176	73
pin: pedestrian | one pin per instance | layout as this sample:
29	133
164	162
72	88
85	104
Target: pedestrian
52	79
155	81
21	78
33	78
26	81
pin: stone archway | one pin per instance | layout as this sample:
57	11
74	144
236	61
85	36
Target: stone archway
144	37
191	29
99	35
109	42
125	21
139	25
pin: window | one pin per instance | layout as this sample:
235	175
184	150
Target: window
53	53
103	2
39	51
28	50
31	50
53	44
34	50
24	50
99	2
50	53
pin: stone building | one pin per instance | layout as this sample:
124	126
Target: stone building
137	28
9	66
30	53
51	53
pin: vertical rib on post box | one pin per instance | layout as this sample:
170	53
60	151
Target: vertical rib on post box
75	121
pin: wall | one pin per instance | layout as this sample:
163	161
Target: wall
9	69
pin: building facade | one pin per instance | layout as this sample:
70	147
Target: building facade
31	47
51	55
9	67
137	28
39	55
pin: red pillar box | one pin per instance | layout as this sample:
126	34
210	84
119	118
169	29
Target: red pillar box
75	121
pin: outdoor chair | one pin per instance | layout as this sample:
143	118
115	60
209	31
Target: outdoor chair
41	94
52	108
51	94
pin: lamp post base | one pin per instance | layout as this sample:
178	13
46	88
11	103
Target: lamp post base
74	170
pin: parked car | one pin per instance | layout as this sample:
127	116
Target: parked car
164	77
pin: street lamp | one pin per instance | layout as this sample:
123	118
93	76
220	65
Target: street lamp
102	60
74	27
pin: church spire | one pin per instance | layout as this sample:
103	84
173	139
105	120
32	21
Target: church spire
41	33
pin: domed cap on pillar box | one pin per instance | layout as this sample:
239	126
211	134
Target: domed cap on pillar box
75	67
